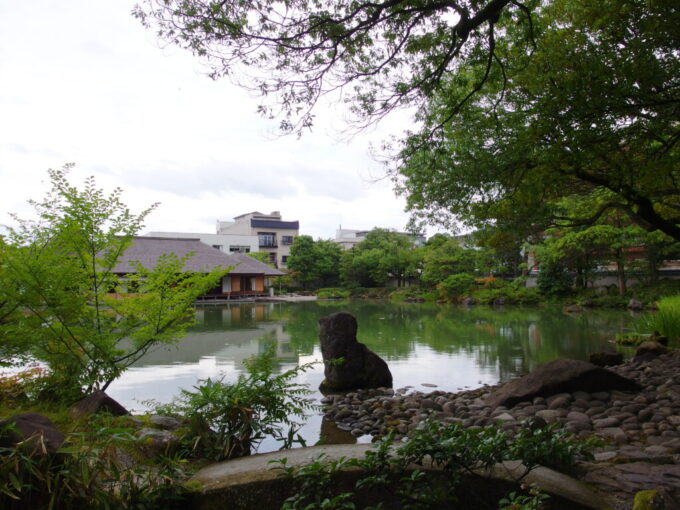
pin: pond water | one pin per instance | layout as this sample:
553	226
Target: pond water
425	345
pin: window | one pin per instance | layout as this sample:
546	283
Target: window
272	258
284	259
239	249
267	239
218	246
287	239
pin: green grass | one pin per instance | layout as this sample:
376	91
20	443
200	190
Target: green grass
666	321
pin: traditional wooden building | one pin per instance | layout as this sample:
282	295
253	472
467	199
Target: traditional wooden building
248	278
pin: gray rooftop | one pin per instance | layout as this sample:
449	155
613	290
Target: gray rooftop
147	250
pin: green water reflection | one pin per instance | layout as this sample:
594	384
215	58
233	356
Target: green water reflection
425	345
514	340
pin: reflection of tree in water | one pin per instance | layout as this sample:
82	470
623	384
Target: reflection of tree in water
518	340
511	341
507	341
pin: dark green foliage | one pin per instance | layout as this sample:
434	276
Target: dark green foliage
393	471
314	262
231	420
588	113
554	279
457	284
88	472
383	256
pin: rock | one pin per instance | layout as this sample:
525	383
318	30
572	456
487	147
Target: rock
499	301
649	350
156	441
634	304
468	301
97	402
654	499
427	403
165	422
573	309
548	415
38	430
615	433
657	337
559	376
603	359
360	367
605	423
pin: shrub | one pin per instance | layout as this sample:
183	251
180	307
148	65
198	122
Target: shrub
332	293
554	279
87	473
457	284
230	420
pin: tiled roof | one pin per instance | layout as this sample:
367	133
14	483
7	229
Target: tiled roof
147	250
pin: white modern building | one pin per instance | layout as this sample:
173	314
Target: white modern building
274	235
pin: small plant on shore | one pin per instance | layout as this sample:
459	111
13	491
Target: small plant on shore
228	420
531	498
666	320
406	473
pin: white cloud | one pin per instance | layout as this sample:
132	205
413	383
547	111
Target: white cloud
83	82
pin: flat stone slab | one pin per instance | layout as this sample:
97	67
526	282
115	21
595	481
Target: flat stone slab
250	483
559	376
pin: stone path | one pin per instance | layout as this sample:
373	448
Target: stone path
641	429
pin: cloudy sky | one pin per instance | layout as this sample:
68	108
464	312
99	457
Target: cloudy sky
82	81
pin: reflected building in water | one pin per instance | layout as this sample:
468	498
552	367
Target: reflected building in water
228	336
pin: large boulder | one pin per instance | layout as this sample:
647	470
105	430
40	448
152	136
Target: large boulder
560	376
40	434
603	358
349	364
649	350
97	402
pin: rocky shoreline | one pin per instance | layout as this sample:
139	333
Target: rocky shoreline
640	430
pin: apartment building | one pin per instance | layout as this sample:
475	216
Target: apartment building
274	235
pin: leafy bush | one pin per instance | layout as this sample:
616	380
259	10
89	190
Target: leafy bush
514	292
230	420
554	279
370	292
87	473
332	293
457	284
452	449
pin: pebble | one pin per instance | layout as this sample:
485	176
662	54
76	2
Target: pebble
641	427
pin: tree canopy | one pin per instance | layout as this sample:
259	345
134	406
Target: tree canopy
518	104
377	55
591	115
314	261
382	256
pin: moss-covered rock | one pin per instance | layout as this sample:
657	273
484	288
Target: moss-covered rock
656	499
